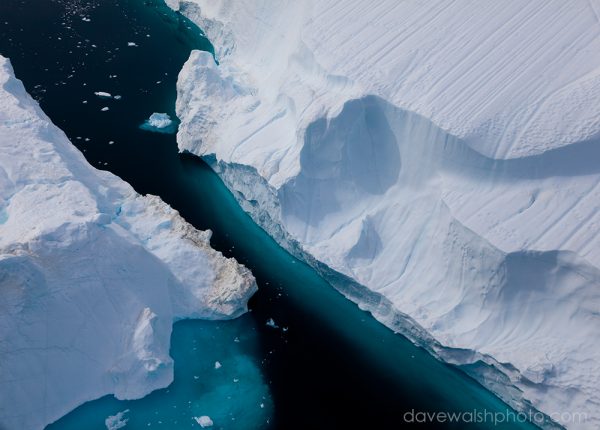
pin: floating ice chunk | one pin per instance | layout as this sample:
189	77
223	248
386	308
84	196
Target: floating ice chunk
131	44
271	323
204	421
217	365
104	109
117	97
103	94
86	19
159	122
118	421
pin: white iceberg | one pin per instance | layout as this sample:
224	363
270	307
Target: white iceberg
442	154
204	421
103	94
92	274
160	123
116	422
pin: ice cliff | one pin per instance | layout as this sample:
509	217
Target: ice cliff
92	274
443	154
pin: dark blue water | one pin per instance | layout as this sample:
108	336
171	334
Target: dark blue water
334	366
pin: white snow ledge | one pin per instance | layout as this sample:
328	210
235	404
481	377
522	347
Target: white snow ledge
442	154
92	274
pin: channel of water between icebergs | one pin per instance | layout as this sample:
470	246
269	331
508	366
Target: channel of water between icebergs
327	364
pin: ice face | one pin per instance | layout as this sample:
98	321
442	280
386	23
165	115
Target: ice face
90	268
160	123
421	174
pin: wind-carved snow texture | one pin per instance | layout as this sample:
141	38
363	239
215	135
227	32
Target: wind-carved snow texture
443	154
92	274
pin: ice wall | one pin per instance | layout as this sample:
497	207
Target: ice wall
92	274
442	154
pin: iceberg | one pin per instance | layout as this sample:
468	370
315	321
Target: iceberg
160	123
118	421
103	94
442	156
92	275
204	421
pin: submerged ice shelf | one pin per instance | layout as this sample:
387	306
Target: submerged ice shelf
461	190
93	274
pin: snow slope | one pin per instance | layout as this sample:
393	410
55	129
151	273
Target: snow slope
443	154
92	275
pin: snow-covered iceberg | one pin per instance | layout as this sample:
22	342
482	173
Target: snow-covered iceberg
92	274
159	123
442	154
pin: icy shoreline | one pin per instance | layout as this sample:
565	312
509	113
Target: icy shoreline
467	203
93	274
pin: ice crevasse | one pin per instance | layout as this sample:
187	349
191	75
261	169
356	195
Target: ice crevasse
442	154
92	274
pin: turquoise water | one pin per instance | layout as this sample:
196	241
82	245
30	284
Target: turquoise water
234	395
327	364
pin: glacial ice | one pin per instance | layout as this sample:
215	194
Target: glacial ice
160	123
449	165
92	274
204	421
116	422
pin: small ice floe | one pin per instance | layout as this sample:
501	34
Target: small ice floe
118	421
117	97
159	123
104	109
86	19
204	421
217	365
84	102
271	323
131	44
236	340
103	94
111	142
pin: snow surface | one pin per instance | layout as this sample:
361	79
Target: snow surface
92	274
443	154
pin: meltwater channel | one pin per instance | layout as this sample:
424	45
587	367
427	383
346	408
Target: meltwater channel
324	363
